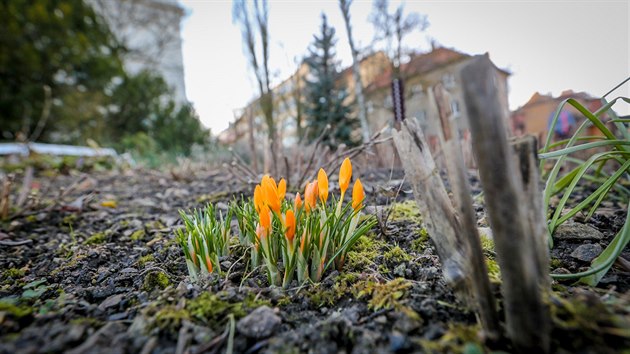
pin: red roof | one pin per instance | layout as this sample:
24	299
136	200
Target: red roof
421	64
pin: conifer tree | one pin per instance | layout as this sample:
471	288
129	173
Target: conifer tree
326	101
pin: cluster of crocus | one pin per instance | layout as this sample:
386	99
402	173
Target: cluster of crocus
204	239
301	237
308	235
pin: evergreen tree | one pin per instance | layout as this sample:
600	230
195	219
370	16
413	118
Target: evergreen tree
326	101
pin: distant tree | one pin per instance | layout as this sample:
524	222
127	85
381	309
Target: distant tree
326	103
344	6
142	104
255	22
54	54
392	27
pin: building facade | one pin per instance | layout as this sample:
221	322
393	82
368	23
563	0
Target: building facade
420	73
533	117
150	30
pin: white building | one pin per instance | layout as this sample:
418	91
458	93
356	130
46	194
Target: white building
150	29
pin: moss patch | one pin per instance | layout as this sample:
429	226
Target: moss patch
363	252
155	280
137	235
383	295
170	318
396	255
344	285
96	239
14	273
15	311
420	243
494	271
145	259
406	211
212	310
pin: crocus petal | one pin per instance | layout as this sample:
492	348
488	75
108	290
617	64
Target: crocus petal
322	183
298	202
357	195
290	223
310	195
270	194
282	189
208	264
265	219
258	198
345	174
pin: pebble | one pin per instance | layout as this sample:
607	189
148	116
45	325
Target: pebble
111	301
587	252
259	324
577	231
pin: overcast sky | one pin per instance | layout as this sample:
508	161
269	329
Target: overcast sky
549	46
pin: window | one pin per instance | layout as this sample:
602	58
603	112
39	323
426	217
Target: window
455	108
448	80
417	90
421	116
370	107
388	102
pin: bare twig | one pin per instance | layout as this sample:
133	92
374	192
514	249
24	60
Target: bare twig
27	181
43	119
4	197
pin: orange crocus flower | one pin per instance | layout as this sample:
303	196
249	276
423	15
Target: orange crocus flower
298	203
282	189
345	174
310	196
270	194
290	223
357	195
322	183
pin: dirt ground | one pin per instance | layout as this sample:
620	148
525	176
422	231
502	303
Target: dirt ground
92	267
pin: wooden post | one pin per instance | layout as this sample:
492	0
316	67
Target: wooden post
526	149
432	200
506	202
467	227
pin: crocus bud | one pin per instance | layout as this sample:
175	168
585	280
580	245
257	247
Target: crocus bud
345	174
322	183
298	203
357	195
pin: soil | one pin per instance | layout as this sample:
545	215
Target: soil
92	267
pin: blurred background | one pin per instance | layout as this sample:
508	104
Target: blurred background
162	79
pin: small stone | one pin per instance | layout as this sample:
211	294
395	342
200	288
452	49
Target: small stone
397	342
577	231
587	252
380	320
111	301
560	271
259	324
118	316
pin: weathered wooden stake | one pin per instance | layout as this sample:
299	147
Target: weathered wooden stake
432	200
527	316
467	226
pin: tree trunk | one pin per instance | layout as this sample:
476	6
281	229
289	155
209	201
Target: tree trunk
356	73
